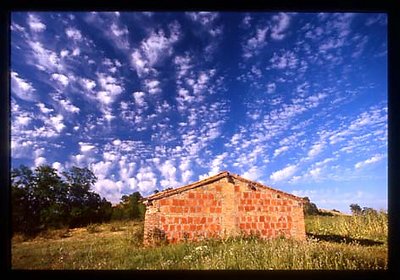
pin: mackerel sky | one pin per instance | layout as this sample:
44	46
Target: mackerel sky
296	101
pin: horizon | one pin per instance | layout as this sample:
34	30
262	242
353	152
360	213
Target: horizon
152	100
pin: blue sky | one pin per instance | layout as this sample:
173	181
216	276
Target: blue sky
297	101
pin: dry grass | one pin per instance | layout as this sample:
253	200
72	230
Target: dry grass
119	246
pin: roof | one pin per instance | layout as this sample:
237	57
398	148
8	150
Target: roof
211	179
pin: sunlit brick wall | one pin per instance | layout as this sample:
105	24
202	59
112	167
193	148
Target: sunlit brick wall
267	213
224	208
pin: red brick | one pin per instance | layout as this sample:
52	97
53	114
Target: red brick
218	188
256	211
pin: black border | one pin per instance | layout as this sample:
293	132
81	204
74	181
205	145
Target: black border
385	6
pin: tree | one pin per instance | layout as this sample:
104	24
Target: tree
309	207
42	199
129	208
369	211
22	203
355	209
50	195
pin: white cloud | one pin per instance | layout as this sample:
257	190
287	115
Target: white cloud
369	161
62	79
109	189
154	49
284	173
254	173
40	161
86	147
44	109
147	180
204	18
73	33
139	98
68	106
22	88
117	142
64	53
280	24
58	166
286	60
110	89
152	86
315	150
88	84
35	24
22	120
168	171
255	43
57	122
280	150
45	59
271	88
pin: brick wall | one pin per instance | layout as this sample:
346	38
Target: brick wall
267	213
223	208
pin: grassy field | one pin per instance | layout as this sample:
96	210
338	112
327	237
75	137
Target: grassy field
339	242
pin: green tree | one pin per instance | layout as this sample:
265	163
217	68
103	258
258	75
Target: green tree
130	207
42	199
309	207
355	209
369	211
86	206
50	196
22	202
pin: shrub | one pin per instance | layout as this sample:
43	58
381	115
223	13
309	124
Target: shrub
93	228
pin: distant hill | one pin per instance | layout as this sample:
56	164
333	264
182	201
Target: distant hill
333	212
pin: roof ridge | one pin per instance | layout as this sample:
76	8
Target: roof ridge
220	175
186	187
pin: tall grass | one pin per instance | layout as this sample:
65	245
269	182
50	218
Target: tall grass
372	226
122	249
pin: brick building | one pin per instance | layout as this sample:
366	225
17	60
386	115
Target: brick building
222	205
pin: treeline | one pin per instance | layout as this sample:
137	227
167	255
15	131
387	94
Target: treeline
41	199
311	209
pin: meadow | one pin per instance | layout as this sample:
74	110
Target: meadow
333	242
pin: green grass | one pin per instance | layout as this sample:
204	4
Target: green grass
333	243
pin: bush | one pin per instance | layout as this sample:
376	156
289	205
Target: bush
93	228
